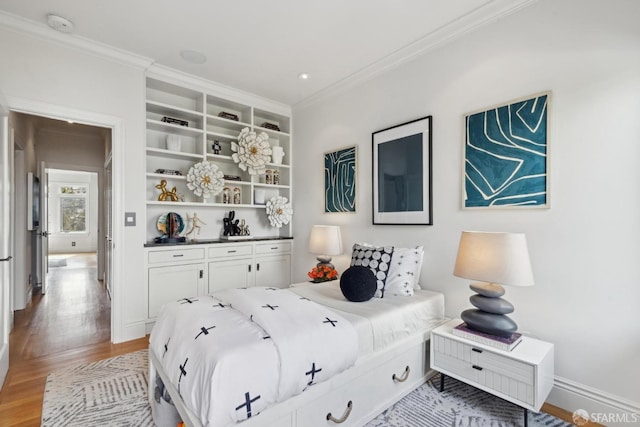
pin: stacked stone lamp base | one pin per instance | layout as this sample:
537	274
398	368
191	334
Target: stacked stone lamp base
490	314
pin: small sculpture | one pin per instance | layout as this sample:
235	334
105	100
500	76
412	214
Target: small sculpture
195	224
244	228
231	227
171	196
226	195
216	147
237	196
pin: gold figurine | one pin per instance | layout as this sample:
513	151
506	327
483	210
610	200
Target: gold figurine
170	196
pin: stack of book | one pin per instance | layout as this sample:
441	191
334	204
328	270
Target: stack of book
174	121
271	126
501	343
228	116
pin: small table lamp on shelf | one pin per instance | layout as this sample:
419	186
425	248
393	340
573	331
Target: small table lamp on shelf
325	241
496	259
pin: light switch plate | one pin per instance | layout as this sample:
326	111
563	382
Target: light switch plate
129	219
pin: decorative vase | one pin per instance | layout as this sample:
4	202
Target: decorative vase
259	197
277	154
173	142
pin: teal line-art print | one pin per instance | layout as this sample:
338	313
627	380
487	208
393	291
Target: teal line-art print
340	180
506	155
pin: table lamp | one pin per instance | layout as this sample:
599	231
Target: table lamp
495	259
325	241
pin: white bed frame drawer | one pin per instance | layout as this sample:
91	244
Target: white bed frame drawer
377	385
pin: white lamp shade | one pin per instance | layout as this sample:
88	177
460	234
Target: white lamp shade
325	240
501	258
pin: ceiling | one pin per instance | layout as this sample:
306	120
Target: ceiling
262	46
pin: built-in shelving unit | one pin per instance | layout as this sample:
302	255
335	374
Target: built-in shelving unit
200	112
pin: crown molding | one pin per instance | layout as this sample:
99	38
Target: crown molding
42	31
472	21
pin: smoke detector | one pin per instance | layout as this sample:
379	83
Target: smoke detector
59	23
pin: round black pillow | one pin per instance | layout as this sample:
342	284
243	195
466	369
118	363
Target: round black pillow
358	283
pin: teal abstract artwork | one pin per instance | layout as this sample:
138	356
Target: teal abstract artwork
506	155
340	180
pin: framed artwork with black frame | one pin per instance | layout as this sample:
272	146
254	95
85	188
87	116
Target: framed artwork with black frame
402	174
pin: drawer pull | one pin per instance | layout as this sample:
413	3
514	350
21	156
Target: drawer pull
477	350
232	252
344	416
275	248
479	368
177	255
404	376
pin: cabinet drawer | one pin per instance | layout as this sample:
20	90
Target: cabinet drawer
273	248
226	251
156	257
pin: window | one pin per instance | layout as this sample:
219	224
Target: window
73	208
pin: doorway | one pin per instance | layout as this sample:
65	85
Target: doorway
75	309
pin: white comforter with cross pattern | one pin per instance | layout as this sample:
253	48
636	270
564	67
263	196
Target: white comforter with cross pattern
239	351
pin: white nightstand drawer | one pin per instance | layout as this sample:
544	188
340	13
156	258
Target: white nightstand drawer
451	364
483	358
505	366
523	376
156	257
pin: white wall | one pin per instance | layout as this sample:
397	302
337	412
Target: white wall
60	242
42	73
585	249
25	162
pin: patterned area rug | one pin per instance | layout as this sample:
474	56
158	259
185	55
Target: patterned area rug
113	392
459	405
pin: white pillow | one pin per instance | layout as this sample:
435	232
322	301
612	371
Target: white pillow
404	271
377	259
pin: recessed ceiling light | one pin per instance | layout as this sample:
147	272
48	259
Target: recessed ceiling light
303	76
193	56
59	23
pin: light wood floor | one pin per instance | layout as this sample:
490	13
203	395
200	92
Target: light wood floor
68	326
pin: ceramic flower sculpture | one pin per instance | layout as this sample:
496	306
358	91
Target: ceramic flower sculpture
279	211
252	151
205	179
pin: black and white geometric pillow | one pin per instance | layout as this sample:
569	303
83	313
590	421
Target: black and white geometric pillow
404	271
377	259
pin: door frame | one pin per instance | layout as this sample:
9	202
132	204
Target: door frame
116	124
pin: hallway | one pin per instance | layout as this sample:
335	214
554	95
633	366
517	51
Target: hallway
75	311
69	325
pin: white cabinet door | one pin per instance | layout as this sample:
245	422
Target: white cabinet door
167	284
235	273
273	271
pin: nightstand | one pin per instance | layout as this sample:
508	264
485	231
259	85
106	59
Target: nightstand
523	376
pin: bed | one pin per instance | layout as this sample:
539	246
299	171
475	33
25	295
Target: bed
389	360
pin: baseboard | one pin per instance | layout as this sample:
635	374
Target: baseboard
131	331
603	408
